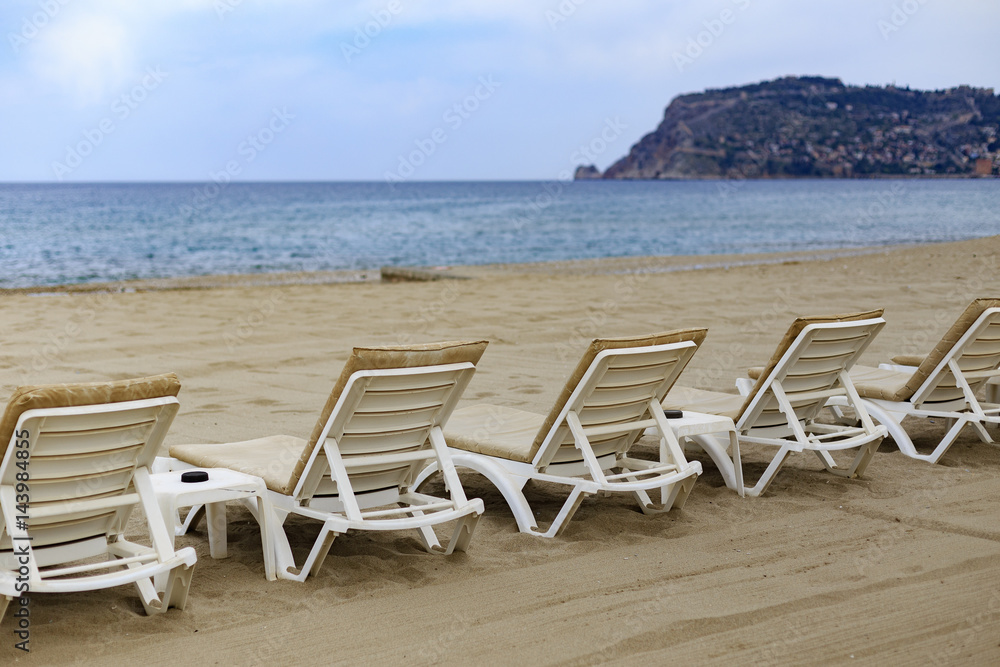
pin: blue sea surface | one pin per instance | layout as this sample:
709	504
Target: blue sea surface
73	233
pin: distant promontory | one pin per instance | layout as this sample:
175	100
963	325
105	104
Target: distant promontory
818	127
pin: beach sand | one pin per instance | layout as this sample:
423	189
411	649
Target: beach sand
901	566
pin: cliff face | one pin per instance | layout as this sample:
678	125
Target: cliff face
812	126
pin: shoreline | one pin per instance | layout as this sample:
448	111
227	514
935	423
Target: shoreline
589	266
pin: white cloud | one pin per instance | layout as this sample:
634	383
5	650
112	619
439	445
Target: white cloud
86	56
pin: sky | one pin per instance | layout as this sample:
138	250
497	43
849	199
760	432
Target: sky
199	90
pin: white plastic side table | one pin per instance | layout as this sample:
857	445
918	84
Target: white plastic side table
222	486
694	424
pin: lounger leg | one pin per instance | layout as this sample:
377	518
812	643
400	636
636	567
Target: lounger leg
827	460
263	513
734	447
150	599
175	592
641	496
283	559
286	563
892	422
566	513
981	431
646	503
178	585
463	534
429	538
863	458
427	535
768	476
678	493
319	552
4	602
672	496
265	519
460	538
170	516
946	442
508	485
860	463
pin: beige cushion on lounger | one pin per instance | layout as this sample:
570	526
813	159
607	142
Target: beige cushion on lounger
908	359
494	430
793	332
273	458
81	393
878	383
699	400
231	455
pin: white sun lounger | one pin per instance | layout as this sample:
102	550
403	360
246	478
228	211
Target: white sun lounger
75	463
610	399
381	424
941	385
810	365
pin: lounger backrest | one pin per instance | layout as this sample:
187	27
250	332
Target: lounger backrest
973	341
83	443
807	364
385	403
613	383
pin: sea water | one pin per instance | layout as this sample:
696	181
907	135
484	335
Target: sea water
73	233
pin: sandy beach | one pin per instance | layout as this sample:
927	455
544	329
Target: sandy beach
899	567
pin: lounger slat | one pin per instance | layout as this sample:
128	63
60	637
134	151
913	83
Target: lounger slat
101	421
66	442
832	348
36	512
625	375
848	333
380	422
366	481
376	461
619	428
425	399
616	414
647	359
71	530
811	381
805	366
50	468
978	362
360	443
56	553
982	346
408	383
62	488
